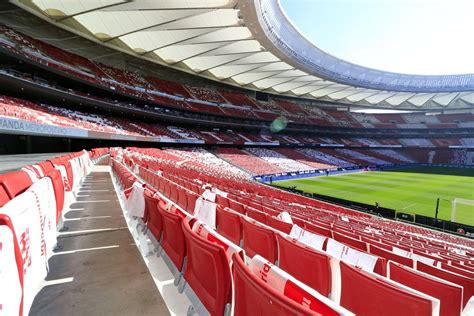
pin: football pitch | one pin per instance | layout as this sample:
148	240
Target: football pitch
410	190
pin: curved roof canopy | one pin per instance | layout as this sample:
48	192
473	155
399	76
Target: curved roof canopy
248	43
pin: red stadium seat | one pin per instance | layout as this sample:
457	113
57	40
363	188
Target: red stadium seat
173	241
46	166
4	198
318	230
58	186
154	221
255	297
15	182
257	215
279	225
236	206
465	282
258	240
228	225
296	259
458	270
391	256
191	198
207	272
351	242
449	294
222	201
364	294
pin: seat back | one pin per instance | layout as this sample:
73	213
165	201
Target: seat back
255	297
318	230
465	282
46	166
228	225
236	206
296	259
173	241
59	191
449	294
279	225
363	294
391	256
4	198
256	215
15	182
258	240
354	243
154	221
191	198
207	271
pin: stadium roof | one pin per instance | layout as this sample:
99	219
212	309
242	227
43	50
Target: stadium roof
248	43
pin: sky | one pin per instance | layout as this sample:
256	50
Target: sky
430	37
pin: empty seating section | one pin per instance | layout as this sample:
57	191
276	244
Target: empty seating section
278	159
260	233
248	162
171	93
32	201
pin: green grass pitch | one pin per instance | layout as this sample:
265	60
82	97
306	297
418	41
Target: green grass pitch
410	190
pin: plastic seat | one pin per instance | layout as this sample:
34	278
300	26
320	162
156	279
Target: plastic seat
364	294
255	297
279	225
4	198
465	282
154	221
258	240
296	259
318	230
449	294
15	183
207	272
391	256
354	243
228	225
58	186
173	241
46	166
257	215
191	198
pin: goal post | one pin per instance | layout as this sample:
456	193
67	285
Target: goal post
455	206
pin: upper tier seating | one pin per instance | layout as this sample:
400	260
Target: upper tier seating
279	160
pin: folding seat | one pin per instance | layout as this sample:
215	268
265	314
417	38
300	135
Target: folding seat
374	242
255	297
279	225
449	294
153	218
173	241
59	191
389	255
182	200
364	294
4	198
466	282
258	240
256	215
222	201
191	198
167	189
228	225
354	243
298	221
207	272
459	269
15	182
174	192
236	206
318	230
295	259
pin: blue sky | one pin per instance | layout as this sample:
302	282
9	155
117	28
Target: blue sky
408	36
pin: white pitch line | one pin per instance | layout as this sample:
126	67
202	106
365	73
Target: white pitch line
409	206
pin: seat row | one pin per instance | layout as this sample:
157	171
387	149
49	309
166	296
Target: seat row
265	236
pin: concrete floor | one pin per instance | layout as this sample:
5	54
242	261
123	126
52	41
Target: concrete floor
13	162
99	270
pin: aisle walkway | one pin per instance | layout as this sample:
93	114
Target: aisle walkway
99	270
